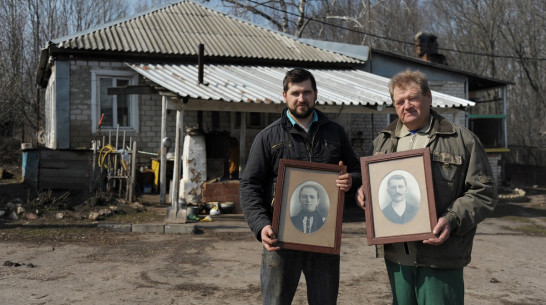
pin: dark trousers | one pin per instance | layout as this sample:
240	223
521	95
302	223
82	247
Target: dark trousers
281	270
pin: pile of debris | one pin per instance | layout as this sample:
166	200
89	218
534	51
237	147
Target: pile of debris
516	195
49	205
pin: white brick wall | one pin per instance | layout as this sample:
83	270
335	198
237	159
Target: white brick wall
452	88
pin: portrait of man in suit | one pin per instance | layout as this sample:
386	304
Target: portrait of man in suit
401	207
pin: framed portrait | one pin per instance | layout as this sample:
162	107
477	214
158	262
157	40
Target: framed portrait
399	194
308	207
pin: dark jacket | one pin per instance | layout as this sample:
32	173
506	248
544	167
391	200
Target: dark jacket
326	142
408	214
302	221
464	188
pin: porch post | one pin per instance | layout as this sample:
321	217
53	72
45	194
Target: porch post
177	211
242	144
163	160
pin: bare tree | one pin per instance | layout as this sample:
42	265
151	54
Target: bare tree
288	16
470	26
25	27
345	21
502	39
12	101
524	35
144	5
397	22
84	14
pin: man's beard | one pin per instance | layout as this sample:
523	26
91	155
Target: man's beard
304	115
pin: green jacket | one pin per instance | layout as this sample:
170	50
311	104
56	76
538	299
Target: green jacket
464	188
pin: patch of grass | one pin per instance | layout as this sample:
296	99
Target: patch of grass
518	219
43	232
531	230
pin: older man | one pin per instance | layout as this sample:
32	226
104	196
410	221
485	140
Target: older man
431	271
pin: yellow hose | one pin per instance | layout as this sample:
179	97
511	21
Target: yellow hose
109	149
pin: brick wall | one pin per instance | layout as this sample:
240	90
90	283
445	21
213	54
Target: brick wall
148	131
452	88
80	103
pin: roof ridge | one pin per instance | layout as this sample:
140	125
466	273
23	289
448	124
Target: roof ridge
177	28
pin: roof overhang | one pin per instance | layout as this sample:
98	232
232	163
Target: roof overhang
259	88
476	82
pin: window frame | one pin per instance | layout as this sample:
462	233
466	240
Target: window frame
132	78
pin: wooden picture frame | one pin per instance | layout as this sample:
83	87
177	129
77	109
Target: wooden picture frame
307	180
383	180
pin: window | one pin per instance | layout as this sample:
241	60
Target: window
118	109
488	128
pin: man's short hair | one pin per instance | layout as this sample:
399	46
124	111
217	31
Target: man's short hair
298	75
402	79
397	177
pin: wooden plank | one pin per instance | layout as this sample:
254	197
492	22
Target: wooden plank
209	105
62	173
64	164
137	89
62	180
65	155
76	185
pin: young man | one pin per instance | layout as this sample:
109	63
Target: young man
302	133
431	272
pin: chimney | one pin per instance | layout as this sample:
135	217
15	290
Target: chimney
426	48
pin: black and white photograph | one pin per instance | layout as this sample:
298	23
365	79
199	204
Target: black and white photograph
400	200
399	196
309	207
308	214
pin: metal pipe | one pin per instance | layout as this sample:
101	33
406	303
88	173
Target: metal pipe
200	62
133	172
505	117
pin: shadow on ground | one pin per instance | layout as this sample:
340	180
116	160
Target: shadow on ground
504	209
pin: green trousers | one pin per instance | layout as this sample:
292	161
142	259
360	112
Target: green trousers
425	286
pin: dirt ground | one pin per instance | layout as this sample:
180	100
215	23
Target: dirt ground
45	261
93	266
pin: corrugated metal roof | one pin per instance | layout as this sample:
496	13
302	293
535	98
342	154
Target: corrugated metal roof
259	84
179	28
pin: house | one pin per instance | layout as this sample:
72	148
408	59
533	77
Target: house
487	118
157	74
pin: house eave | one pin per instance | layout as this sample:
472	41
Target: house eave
44	68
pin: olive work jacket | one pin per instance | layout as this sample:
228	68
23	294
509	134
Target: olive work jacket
326	142
464	188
